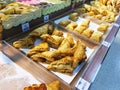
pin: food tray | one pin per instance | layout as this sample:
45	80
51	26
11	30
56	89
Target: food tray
92	26
90	50
98	13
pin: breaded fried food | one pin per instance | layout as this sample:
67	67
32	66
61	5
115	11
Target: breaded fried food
96	36
63	65
103	27
87	33
41	47
64	23
79	54
55	85
53	40
27	42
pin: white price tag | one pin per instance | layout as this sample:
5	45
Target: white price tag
106	44
73	6
46	18
83	84
117	25
25	27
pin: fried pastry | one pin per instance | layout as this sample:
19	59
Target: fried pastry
47	56
64	46
65	50
87	33
99	16
35	33
57	33
71	26
50	29
41	47
39	31
81	10
55	85
63	65
36	87
27	42
70	39
91	13
79	54
64	23
85	23
87	7
96	36
53	40
102	27
79	29
74	16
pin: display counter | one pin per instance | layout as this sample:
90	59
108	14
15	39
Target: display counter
78	42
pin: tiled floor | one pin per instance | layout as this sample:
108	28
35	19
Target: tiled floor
108	77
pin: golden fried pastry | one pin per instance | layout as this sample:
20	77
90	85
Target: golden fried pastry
27	42
63	65
102	27
91	13
50	29
39	31
55	85
103	12
95	10
87	33
109	18
53	40
65	50
79	29
104	2
96	36
87	7
79	54
64	46
71	26
85	23
70	39
57	33
47	56
74	16
99	16
36	87
41	47
81	10
65	23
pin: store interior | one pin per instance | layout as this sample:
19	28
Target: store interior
60	44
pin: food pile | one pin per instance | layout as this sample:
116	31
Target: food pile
61	53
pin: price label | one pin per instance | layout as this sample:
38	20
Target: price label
46	18
25	27
117	25
73	4
83	84
106	44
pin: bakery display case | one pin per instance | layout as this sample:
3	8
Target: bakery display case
68	48
56	49
17	17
